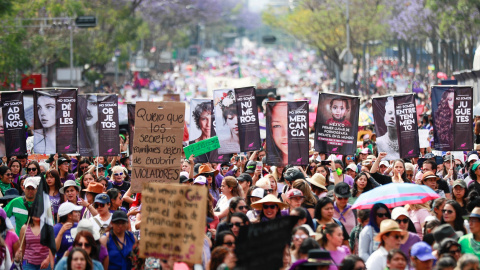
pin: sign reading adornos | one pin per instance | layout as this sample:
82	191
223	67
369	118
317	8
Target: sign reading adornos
173	221
157	143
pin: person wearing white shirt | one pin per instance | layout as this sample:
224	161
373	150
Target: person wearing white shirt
390	237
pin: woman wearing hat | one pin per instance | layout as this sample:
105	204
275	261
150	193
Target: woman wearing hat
400	215
390	237
474	173
460	195
470	243
69	216
91	192
64	169
448	173
317	183
270	207
209	173
71	191
367	243
102	220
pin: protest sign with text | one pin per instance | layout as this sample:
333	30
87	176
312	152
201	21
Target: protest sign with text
173	221
157	143
12	139
452	111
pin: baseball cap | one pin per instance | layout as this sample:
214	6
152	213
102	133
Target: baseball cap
365	151
475	165
251	166
352	167
429	155
244	177
385	163
119	215
342	190
422	251
294	193
63	160
459	182
32	182
258	193
448	158
292	174
102	198
200	180
472	157
399	211
68	207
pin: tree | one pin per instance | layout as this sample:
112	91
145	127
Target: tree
322	25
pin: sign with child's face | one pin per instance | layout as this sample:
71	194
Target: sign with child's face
337	124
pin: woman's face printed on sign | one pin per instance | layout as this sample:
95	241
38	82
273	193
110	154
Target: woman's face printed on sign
92	110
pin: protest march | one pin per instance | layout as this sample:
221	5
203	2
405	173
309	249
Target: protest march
240	181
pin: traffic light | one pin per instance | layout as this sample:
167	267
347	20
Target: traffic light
86	21
269	39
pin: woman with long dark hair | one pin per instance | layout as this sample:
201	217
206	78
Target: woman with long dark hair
54	185
78	259
324	211
299	234
361	184
444	119
16	169
6	180
45	134
230	189
237	205
452	214
367	245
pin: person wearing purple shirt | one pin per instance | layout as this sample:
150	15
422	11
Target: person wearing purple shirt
63	169
69	215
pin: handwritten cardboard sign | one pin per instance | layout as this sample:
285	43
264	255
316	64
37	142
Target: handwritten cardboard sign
202	147
157	143
173	221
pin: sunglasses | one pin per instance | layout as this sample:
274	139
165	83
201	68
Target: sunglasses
118	174
229	243
241	207
83	168
350	158
97	205
447	211
9	174
459	250
238	224
224	168
342	199
405	220
298	237
382	215
396	236
31	169
273	206
84	245
208	174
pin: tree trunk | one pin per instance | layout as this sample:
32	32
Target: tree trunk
413	53
435	54
405	47
400	54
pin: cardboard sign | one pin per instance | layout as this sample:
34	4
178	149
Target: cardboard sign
157	143
202	147
173	221
261	245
